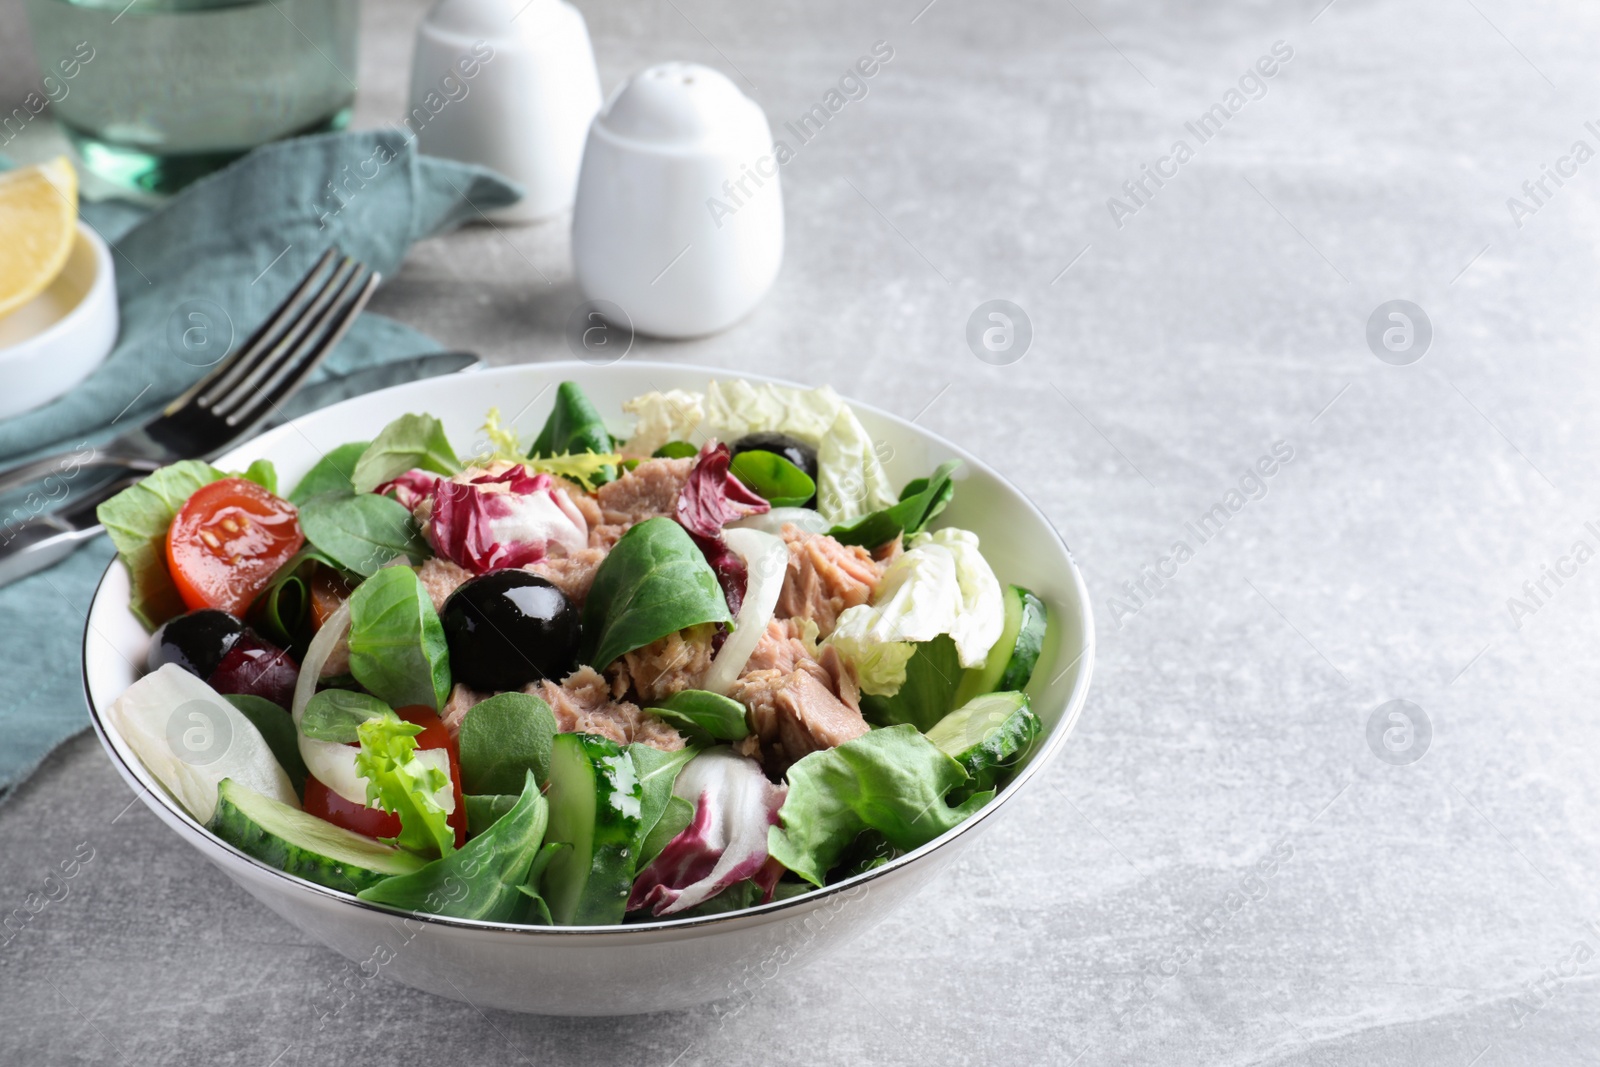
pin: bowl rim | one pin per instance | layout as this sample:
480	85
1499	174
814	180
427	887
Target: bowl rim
760	912
46	339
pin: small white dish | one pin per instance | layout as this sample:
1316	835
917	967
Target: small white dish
54	341
679	216
647	966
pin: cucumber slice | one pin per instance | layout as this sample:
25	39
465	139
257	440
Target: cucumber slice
987	736
594	807
1011	661
304	845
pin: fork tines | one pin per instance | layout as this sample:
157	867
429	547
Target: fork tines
249	385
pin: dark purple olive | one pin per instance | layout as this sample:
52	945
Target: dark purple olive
197	642
509	628
792	449
254	668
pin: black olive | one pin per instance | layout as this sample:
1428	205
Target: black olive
197	642
792	449
508	628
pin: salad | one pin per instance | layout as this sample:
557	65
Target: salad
579	680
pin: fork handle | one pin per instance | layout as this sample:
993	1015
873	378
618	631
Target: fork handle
67	464
39	542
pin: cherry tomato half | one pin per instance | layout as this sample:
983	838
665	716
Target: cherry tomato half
227	543
324	803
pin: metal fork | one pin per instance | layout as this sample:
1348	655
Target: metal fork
244	389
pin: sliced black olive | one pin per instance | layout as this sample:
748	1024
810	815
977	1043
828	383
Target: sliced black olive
792	449
508	628
197	642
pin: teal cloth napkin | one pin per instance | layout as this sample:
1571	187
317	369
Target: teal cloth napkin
239	239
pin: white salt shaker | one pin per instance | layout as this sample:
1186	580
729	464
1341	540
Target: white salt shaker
511	85
679	216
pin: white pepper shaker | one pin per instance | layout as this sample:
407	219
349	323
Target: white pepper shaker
511	85
679	217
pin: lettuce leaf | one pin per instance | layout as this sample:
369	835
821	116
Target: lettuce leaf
941	584
653	582
136	520
920	503
574	426
330	475
408	443
397	645
485	878
401	784
892	780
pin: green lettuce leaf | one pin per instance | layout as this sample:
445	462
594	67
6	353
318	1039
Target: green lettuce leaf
484	878
397	645
657	771
892	780
654	581
401	784
411	442
331	474
574	427
136	520
337	714
263	473
362	533
703	717
928	693
504	738
920	503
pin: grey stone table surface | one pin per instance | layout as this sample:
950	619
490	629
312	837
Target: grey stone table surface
1221	868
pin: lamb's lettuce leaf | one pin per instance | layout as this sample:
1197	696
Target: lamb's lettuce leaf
361	533
397	644
657	772
484	879
411	442
337	714
704	717
575	427
941	584
331	474
504	738
773	478
263	473
892	780
653	582
136	520
920	503
929	692
403	785
277	730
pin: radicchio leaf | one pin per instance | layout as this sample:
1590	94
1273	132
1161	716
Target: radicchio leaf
502	516
725	843
711	499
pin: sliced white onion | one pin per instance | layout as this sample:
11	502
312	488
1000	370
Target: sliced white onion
766	558
333	764
772	522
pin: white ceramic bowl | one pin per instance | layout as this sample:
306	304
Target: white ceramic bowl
612	970
52	342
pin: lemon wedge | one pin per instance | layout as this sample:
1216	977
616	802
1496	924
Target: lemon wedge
39	217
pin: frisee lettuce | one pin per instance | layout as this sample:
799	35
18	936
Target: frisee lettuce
401	784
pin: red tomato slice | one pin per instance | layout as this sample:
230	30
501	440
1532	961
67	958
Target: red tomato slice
324	803
227	543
